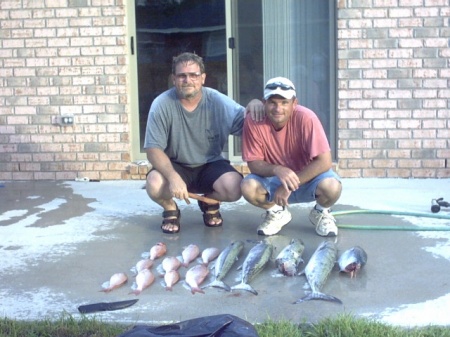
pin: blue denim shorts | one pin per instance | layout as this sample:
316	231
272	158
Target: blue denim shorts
305	193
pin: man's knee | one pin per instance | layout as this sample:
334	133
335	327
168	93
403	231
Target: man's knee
329	190
154	182
249	188
229	185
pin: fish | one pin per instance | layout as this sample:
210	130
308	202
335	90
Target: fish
317	270
195	276
223	264
170	263
116	280
171	277
257	258
290	257
189	254
157	250
143	280
143	264
352	260
209	254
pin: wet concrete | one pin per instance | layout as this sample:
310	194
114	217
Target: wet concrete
60	241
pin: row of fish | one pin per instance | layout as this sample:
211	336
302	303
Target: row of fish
168	269
319	266
287	261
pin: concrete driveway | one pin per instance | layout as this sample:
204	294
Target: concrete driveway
61	241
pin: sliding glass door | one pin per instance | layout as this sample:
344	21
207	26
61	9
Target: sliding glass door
243	44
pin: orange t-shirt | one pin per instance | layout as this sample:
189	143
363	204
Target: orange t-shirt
294	146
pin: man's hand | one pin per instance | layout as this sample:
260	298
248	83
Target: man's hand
289	179
178	188
281	196
256	110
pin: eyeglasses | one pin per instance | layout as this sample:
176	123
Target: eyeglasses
185	76
280	85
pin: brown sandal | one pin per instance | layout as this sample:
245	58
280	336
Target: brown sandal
207	217
173	221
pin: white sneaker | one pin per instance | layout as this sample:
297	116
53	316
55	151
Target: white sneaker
325	223
274	221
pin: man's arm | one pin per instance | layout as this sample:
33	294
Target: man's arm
290	179
318	165
256	109
161	163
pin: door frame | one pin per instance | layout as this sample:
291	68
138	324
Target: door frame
132	83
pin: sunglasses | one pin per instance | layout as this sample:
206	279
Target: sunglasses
185	76
280	85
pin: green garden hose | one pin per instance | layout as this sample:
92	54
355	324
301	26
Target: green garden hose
398	228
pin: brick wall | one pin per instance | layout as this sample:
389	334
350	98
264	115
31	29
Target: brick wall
393	88
60	57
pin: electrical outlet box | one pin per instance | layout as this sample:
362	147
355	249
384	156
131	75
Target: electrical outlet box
65	120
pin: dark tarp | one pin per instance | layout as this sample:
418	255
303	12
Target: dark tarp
209	326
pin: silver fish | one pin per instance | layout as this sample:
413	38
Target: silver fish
224	263
256	260
317	271
289	259
352	260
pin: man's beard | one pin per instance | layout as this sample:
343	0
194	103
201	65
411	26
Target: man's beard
188	94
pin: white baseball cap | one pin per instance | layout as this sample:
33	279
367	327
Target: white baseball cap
279	86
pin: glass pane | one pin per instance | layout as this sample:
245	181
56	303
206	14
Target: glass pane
299	44
249	81
292	39
167	28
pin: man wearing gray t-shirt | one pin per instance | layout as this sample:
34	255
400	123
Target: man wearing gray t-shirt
187	128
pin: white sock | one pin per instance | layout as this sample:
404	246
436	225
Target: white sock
275	208
322	209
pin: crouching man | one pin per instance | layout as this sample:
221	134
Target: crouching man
290	162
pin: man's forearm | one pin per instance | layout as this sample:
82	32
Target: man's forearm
160	162
262	168
318	165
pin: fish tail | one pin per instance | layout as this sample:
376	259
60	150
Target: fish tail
318	296
135	292
218	284
196	290
246	287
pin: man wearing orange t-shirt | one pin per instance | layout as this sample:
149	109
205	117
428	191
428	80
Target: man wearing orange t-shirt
289	158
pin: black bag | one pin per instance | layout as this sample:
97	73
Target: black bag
209	326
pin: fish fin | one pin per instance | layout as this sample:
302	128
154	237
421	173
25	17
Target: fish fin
318	296
218	284
246	287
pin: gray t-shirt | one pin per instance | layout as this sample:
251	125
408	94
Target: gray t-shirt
197	137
